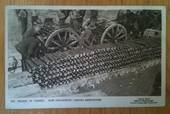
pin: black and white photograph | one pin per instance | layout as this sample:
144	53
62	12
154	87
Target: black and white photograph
85	56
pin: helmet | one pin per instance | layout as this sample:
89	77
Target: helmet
75	14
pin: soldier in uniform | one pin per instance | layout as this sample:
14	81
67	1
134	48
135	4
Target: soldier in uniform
30	42
89	25
22	15
76	19
62	17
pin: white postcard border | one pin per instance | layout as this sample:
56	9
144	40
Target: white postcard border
118	101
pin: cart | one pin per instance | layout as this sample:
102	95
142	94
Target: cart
107	31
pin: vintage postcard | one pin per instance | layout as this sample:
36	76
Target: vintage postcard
85	56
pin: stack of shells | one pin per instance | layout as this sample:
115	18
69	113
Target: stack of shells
50	70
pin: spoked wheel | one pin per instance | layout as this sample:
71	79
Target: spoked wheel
62	39
114	33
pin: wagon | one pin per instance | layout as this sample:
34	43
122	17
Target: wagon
64	38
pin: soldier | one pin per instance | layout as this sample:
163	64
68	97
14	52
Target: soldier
30	42
22	15
62	17
89	25
76	19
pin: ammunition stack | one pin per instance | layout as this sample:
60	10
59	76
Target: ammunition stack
57	68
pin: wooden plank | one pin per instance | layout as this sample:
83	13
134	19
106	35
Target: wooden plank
156	110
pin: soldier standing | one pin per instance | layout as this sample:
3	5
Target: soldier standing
76	19
29	43
22	15
62	17
89	25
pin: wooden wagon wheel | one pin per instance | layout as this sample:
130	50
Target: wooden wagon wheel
62	39
114	33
